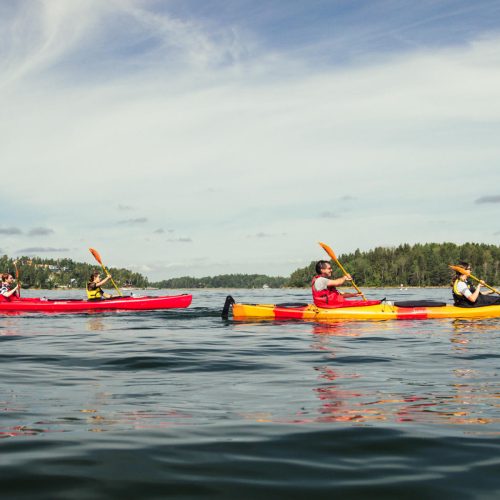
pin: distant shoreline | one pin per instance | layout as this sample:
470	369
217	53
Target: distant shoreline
243	288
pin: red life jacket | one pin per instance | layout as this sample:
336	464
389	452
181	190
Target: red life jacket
327	297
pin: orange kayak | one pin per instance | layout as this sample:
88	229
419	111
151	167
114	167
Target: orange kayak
382	311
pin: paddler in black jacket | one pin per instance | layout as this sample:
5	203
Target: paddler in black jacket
466	295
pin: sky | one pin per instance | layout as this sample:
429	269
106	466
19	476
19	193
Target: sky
201	138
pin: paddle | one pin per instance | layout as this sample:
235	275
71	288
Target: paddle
467	272
97	257
17	279
329	251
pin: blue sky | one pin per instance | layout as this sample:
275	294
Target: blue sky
199	138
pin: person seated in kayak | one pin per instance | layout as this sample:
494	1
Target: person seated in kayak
6	290
466	295
94	290
324	288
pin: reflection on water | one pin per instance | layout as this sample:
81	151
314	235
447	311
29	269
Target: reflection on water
104	405
475	325
348	396
95	324
339	328
139	419
8	327
397	372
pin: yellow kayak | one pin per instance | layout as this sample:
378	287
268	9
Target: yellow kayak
384	310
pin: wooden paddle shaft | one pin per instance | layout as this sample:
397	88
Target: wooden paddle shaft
329	251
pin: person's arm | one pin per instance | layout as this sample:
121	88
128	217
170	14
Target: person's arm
102	282
348	295
472	297
340	281
11	292
105	280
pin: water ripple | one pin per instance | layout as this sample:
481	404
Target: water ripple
184	404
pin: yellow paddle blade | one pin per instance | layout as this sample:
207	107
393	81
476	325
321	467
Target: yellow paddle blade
96	255
460	270
328	250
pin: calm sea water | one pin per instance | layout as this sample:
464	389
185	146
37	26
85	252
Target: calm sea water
183	404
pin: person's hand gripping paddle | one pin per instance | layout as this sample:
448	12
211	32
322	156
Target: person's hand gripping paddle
329	251
97	257
467	272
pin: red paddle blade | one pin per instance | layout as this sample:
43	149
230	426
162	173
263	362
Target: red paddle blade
96	255
328	250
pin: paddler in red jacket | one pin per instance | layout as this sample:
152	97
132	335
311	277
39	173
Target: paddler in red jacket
324	289
6	290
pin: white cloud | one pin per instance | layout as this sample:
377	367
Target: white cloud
203	139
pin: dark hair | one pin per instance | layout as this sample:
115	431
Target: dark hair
320	265
462	264
5	276
93	275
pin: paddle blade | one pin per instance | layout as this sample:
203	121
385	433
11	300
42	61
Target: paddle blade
328	250
460	270
96	255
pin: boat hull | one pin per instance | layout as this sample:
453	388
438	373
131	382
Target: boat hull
114	304
383	311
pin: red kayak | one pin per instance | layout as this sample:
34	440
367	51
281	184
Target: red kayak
115	303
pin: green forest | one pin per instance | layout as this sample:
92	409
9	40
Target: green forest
225	281
54	273
411	265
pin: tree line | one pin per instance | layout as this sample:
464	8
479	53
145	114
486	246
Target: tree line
411	265
35	272
225	281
